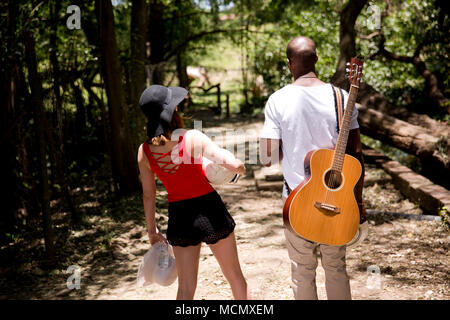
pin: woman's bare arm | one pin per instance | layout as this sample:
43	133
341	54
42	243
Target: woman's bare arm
149	197
200	144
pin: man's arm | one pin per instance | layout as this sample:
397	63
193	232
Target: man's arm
270	151
354	148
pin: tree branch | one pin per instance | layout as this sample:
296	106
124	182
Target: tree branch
432	82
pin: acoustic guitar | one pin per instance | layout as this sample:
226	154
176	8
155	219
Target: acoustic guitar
323	208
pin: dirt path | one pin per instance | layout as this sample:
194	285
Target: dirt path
412	256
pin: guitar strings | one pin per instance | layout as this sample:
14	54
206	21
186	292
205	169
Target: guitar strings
333	178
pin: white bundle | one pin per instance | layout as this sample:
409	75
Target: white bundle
217	174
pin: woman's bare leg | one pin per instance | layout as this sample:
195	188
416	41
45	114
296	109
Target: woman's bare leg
226	254
187	259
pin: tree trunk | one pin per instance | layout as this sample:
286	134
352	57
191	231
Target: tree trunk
138	58
157	36
372	99
178	33
58	155
25	152
347	49
106	135
124	161
432	83
404	136
80	115
90	29
39	114
183	79
8	84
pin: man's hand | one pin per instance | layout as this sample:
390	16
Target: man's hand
240	167
354	148
362	213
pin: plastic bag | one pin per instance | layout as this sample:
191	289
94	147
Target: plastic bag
360	235
157	266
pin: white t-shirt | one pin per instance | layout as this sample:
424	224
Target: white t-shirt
304	118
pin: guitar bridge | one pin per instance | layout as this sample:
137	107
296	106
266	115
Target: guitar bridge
327	207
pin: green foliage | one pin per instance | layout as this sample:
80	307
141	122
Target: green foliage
445	214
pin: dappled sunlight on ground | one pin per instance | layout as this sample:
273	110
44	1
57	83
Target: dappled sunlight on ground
412	256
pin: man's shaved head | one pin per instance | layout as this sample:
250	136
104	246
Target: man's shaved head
301	53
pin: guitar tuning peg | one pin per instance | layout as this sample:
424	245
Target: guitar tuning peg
347	70
348	64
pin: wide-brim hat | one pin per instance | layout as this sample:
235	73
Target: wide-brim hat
158	104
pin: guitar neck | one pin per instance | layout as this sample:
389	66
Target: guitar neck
341	144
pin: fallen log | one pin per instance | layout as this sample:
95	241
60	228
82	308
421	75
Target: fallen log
420	217
373	99
412	139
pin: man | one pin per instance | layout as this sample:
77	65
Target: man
301	117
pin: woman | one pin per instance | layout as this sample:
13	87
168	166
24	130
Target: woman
196	212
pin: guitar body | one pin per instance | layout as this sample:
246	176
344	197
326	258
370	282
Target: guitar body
319	213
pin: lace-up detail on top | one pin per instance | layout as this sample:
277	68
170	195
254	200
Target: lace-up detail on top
165	163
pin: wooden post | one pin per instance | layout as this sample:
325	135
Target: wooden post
228	105
219	105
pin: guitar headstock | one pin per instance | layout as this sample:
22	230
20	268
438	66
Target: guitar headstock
354	71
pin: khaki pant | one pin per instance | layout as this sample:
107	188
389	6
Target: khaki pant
303	255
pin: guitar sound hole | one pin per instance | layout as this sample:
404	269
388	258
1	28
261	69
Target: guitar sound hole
333	179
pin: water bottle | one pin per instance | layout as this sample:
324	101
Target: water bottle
163	261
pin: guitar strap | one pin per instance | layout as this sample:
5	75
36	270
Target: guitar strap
339	109
338	106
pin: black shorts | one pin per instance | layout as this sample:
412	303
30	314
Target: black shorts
196	220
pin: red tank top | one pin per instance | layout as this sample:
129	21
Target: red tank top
187	181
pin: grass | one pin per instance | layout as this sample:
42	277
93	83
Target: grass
220	56
222	61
